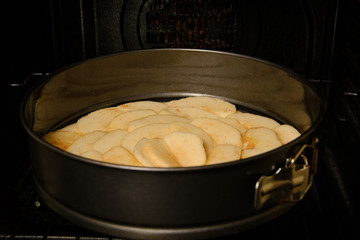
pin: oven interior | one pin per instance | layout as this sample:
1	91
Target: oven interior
317	39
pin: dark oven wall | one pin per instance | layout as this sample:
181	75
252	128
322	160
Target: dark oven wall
296	34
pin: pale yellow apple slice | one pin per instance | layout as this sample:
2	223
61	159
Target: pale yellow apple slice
187	148
155	130
120	155
122	120
220	132
224	153
187	127
155	119
154	152
165	112
286	133
152	105
85	142
70	128
213	105
97	120
109	140
260	140
92	154
140	155
61	139
250	120
233	122
191	112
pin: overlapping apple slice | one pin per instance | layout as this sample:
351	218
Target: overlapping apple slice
250	120
219	131
109	140
120	155
154	130
224	153
260	140
62	139
216	106
154	152
286	133
84	143
190	112
155	119
122	120
141	105
192	131
187	127
92	154
187	148
97	120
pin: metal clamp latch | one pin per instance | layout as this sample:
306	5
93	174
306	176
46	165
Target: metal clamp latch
291	182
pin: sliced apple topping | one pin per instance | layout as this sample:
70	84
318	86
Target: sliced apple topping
84	143
187	148
192	131
122	120
155	130
97	120
224	153
154	152
219	131
260	140
109	140
213	105
250	120
120	155
286	133
155	119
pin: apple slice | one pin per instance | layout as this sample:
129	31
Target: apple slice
260	140
109	140
213	105
152	105
155	130
220	132
61	139
246	153
187	148
70	128
97	120
92	154
154	152
224	153
85	142
122	120
187	127
140	155
233	122
119	155
250	120
191	112
155	119
286	133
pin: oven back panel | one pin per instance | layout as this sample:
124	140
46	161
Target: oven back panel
296	34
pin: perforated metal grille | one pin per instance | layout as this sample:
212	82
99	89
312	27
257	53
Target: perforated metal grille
192	23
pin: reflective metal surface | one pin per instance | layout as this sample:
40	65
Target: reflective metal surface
162	73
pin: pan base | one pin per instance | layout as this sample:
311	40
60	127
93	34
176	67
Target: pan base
148	233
